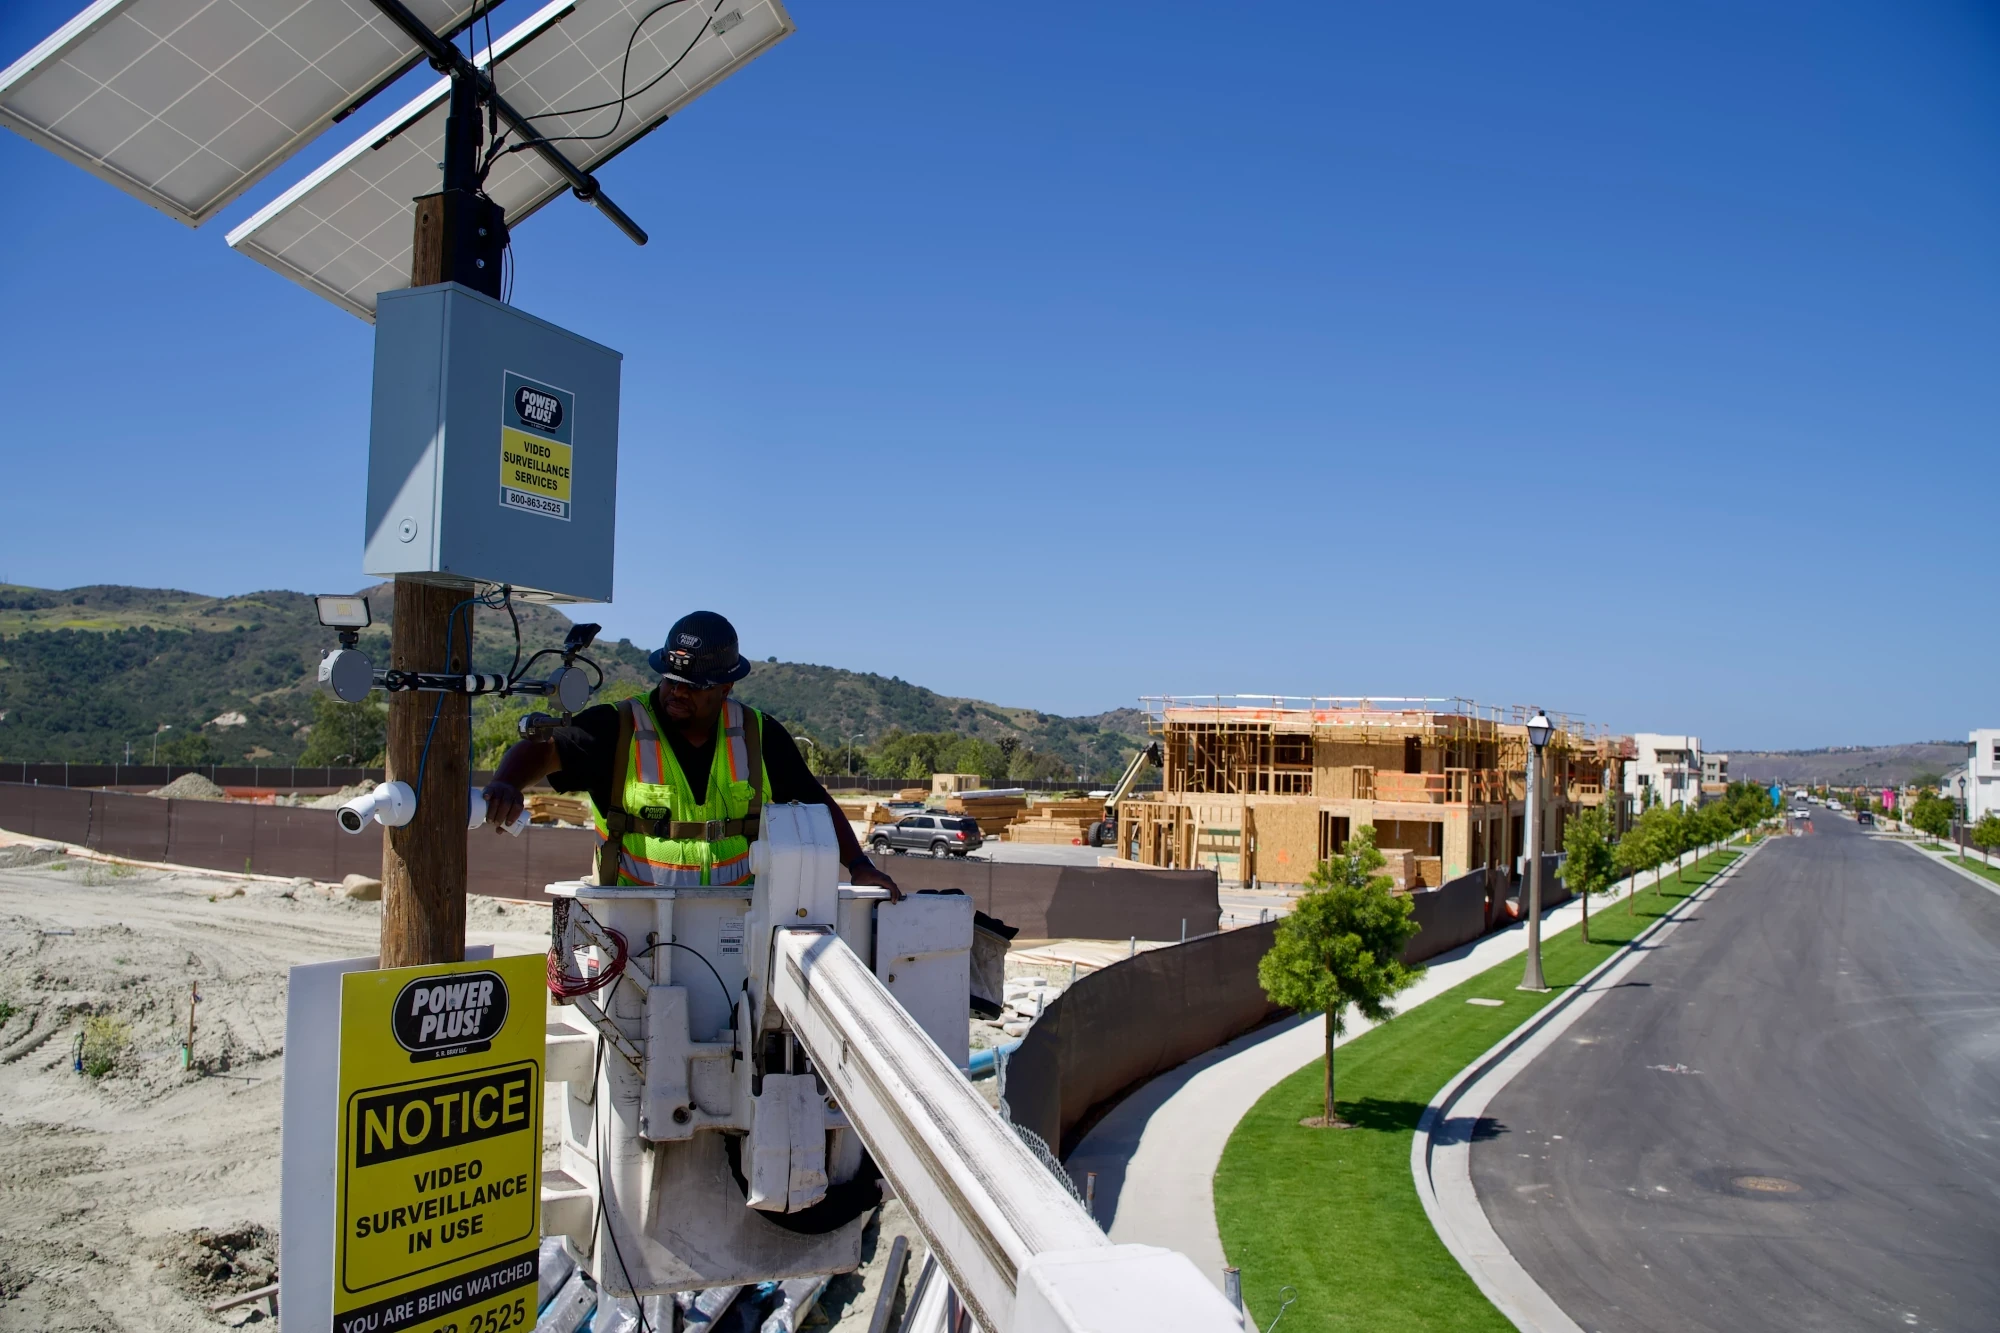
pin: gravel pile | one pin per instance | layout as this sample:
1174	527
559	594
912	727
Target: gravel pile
191	787
335	800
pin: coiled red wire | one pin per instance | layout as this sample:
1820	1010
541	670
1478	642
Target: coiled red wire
567	985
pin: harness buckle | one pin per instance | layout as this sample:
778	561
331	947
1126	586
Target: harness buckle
712	831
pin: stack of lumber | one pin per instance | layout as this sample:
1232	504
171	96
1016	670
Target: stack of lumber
550	808
1057	822
865	810
994	810
913	794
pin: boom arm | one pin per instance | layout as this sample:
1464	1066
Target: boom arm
713	1125
1149	755
1021	1253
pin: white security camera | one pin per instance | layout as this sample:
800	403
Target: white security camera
476	815
391	803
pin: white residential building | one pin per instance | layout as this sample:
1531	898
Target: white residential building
1982	774
1669	767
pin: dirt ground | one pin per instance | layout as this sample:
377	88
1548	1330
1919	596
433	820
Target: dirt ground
137	1191
134	1194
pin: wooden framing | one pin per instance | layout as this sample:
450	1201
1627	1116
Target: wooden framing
1264	788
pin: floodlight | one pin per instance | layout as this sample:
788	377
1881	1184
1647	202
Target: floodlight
1539	728
345	233
343	612
185	104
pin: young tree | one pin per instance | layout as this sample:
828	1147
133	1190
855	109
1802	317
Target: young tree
1646	846
1591	864
1932	814
1341	945
1985	834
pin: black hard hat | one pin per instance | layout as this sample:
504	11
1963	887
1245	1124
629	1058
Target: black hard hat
700	651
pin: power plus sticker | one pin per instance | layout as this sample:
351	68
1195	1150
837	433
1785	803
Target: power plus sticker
536	431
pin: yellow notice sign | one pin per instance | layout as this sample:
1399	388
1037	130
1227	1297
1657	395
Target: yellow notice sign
439	1168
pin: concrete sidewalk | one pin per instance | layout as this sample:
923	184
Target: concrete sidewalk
1156	1153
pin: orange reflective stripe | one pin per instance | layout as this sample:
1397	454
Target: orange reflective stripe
661	874
736	870
739	752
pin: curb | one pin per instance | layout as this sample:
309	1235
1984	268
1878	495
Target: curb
1498	1275
1944	859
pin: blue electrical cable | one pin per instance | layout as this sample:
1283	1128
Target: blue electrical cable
450	633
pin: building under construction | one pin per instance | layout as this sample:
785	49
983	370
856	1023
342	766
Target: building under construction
1263	787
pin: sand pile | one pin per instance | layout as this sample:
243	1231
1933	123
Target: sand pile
335	800
191	787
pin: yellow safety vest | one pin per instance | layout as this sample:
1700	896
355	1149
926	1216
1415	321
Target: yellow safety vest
662	836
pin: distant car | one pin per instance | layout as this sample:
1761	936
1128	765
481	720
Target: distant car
901	808
1865	818
940	835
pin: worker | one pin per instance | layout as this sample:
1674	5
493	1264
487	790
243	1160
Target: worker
678	777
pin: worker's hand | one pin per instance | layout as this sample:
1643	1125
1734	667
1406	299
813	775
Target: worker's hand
864	874
503	804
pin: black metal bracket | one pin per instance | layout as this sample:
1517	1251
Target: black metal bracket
460	170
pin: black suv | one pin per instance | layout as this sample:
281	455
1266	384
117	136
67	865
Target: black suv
940	835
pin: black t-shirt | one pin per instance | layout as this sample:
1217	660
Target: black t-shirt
587	751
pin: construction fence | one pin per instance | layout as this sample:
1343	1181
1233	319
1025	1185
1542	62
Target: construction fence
1045	902
1121	1025
1074	902
293	778
1118	1027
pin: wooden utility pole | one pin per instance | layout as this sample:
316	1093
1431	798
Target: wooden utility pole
423	862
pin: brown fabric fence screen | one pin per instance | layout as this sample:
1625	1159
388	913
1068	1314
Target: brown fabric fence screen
1045	902
272	839
1074	902
1120	1026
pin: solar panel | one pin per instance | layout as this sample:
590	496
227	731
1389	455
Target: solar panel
345	231
185	104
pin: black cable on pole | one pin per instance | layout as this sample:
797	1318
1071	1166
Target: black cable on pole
447	59
624	98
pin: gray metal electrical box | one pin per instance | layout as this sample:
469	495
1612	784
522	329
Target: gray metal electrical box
492	449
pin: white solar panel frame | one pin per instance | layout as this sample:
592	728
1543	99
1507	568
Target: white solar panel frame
345	232
185	104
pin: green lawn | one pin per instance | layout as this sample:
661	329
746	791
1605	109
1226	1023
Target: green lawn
1933	846
1972	863
1334	1213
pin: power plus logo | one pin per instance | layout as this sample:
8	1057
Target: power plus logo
537	409
457	1014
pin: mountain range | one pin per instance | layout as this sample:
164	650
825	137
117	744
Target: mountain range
87	672
1849	765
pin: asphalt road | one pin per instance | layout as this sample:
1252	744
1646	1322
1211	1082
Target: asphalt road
1786	1118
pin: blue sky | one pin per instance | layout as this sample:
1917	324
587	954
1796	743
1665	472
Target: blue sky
1637	361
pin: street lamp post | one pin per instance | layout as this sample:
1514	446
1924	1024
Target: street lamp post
1539	727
